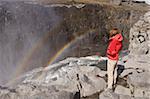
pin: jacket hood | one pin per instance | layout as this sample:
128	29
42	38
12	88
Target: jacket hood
118	37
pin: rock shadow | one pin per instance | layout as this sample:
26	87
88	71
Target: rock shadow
120	69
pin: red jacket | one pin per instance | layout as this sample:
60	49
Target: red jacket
115	45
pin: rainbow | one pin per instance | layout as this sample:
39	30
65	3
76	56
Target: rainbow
22	64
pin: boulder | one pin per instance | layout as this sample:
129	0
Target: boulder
72	75
116	2
28	91
122	90
141	92
138	62
139	80
125	97
108	95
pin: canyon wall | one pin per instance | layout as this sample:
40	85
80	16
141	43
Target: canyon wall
34	35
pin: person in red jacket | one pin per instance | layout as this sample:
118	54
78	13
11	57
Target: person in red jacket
114	47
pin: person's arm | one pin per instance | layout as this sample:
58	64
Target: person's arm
112	48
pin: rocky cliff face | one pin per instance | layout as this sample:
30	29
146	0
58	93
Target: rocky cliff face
138	58
34	34
81	29
139	36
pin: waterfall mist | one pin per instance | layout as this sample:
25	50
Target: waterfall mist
22	27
